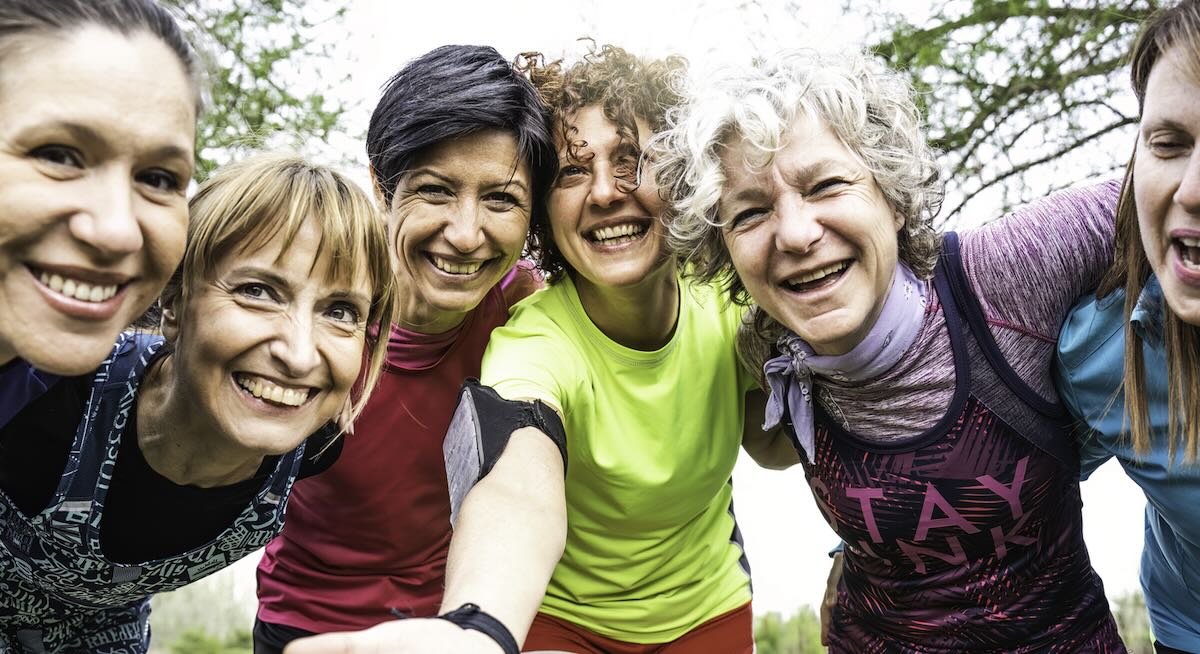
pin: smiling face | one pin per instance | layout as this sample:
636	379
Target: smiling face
270	346
811	236
457	225
609	232
1167	183
97	134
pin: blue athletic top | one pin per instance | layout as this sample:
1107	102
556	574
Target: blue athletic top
20	384
1091	359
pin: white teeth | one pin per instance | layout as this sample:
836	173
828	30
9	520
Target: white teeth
453	268
1190	242
76	289
266	390
617	231
818	274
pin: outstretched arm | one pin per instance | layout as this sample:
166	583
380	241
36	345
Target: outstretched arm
510	534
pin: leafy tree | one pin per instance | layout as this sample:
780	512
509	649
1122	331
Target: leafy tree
253	49
798	634
1023	96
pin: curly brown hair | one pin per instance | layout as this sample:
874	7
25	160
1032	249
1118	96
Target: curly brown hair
626	86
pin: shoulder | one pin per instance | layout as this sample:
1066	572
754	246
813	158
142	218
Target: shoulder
1094	329
709	307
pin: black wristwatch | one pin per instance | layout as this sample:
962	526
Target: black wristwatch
470	616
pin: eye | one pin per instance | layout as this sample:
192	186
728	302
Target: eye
60	155
828	184
256	291
1167	146
343	312
748	216
570	175
160	180
501	201
434	192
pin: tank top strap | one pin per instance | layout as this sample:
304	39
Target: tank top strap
114	389
972	311
1043	423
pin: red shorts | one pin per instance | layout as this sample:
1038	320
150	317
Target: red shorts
728	633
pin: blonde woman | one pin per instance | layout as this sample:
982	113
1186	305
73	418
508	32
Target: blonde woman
176	457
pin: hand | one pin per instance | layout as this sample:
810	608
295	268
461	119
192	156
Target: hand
831	596
411	636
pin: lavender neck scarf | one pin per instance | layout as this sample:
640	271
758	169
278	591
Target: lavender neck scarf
790	375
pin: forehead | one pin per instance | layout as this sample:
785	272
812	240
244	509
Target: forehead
590	124
490	155
308	257
1173	89
808	146
131	88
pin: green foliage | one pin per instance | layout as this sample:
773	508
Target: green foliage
254	50
1020	92
1133	622
798	634
197	641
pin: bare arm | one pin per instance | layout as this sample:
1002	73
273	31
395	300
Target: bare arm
769	449
511	532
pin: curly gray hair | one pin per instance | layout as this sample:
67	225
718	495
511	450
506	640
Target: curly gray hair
868	106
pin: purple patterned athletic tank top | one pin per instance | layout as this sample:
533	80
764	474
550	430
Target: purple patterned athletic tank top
968	537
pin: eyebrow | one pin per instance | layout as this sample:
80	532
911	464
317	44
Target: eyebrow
272	277
505	182
86	133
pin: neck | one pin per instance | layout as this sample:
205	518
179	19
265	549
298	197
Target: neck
641	316
417	316
181	443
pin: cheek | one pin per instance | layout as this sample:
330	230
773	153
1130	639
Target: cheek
168	235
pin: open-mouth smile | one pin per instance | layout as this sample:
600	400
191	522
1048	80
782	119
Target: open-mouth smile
817	279
273	393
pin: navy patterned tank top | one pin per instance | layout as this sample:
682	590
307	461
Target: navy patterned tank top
58	592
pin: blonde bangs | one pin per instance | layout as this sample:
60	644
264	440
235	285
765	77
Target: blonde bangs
247	204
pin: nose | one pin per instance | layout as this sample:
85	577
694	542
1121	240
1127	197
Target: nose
465	229
107	222
799	226
604	192
1187	195
294	348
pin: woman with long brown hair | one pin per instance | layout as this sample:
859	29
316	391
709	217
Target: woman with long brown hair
1129	357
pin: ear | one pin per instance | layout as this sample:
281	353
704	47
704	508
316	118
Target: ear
899	220
375	188
170	319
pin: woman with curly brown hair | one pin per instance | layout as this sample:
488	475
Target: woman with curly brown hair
639	363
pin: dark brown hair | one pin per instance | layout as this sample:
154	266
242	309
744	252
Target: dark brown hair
1179	28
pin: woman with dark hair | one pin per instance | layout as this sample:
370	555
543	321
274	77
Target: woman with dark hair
1129	356
461	156
176	456
98	106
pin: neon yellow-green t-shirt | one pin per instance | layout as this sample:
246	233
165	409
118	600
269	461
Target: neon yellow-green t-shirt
651	439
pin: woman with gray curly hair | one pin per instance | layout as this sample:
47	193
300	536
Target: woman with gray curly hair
911	369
